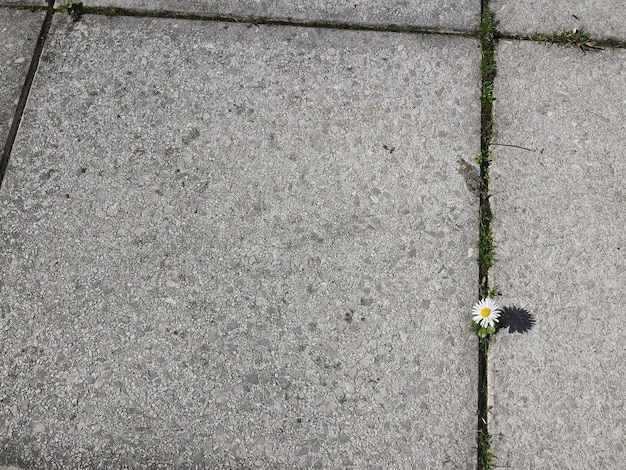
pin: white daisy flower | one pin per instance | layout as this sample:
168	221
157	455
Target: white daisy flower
486	313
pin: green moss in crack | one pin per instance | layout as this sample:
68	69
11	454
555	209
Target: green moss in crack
484	157
486	246
488	41
486	454
486	254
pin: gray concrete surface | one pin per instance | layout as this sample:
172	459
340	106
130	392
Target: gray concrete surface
558	392
600	18
446	15
232	246
18	35
41	3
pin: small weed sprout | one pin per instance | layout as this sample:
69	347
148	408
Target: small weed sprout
74	9
67	6
579	39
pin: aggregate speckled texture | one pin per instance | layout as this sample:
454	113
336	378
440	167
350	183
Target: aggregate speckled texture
558	391
18	35
446	15
600	18
41	3
231	246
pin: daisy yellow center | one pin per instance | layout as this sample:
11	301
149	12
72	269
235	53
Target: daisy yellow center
485	312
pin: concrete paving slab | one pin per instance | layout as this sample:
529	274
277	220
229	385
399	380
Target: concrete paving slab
559	207
18	35
462	15
42	3
231	246
600	18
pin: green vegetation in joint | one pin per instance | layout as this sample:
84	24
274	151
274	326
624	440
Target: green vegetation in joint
486	249
488	24
67	7
79	9
484	157
73	9
575	38
538	37
493	292
486	92
579	39
31	8
486	255
483	438
488	43
486	455
485	332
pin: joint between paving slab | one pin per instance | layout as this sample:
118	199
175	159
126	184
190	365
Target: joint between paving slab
24	7
268	21
579	39
488	41
28	81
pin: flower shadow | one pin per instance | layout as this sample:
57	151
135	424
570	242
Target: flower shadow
516	319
